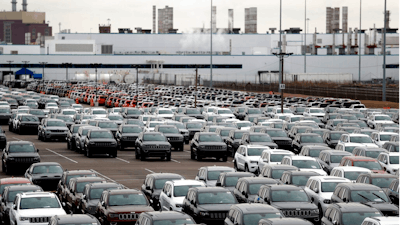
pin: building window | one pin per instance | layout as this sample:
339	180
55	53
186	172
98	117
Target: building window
34	34
106	49
7	33
319	41
14	52
46	32
63	38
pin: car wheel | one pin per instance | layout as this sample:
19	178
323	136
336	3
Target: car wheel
44	139
192	155
181	148
246	168
68	145
3	168
142	157
225	158
89	154
7	170
136	154
121	147
321	214
114	155
169	157
199	158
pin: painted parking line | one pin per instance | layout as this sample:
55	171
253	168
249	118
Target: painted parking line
61	155
173	160
17	139
104	176
149	170
123	160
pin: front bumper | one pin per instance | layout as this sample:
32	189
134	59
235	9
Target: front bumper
50	135
156	153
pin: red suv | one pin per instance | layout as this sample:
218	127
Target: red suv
6	182
361	161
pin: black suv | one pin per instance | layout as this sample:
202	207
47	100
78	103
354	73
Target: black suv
193	128
91	196
19	154
3	138
297	178
153	185
348	214
330	159
279	136
229	180
393	192
72	133
276	171
108	125
244	214
258	139
247	188
164	217
63	185
305	139
26	122
126	135
208	205
223	132
233	140
331	138
366	194
292	201
39	113
152	144
382	180
208	144
45	174
100	142
174	137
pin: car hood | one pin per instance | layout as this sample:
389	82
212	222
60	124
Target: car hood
245	128
326	195
212	143
215	207
320	171
130	208
254	158
384	206
179	200
57	128
93	202
211	183
293	205
41	212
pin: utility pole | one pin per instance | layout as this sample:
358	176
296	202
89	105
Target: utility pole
305	36
96	65
384	58
280	45
10	61
66	65
359	50
195	96
137	86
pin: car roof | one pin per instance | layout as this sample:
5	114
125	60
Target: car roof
217	168
299	157
100	185
385	175
211	189
46	163
337	152
185	182
287	221
256	208
258	180
282	166
329	178
285	187
124	191
73	172
360	186
359	158
238	174
19	142
83	179
76	218
301	172
25	188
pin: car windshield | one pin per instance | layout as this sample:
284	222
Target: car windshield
372	154
349	148
12	194
39	203
317	111
357	217
231	181
306	164
210	138
69	112
178	125
224	111
277	157
159	184
335	123
65	118
75	129
254	218
353	175
254	111
165	112
224	133
47	169
17	148
69	177
329	186
289	196
276	174
255	151
135	122
239	135
95	193
127	199
260	138
311	139
216	198
254	188
336	158
277	133
277	125
360	139
36	112
394	159
101	134
172	222
56	124
108	125
240	125
181	191
335	136
383	118
315	152
4	110
81	185
372	165
300	110
214	174
153	137
168	130
115	117
3	186
52	104
193	111
194	125
134	112
368	196
99	112
300	180
382	182
131	129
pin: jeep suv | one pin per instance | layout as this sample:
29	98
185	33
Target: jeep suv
210	174
52	129
174	137
45	174
208	145
246	214
348	214
229	180
63	185
91	196
247	156
100	142
126	135
19	155
152	144
247	187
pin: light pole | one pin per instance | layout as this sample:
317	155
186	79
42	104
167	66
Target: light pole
43	64
10	61
305	36
211	62
96	65
384	58
25	62
66	65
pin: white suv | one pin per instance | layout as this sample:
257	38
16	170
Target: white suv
272	157
174	192
349	172
35	208
246	157
362	139
389	161
304	163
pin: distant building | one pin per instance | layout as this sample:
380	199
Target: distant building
165	20
104	29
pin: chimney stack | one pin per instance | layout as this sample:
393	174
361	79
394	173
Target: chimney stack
154	19
14	5
24	5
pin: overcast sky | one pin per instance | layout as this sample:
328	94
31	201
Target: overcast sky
83	15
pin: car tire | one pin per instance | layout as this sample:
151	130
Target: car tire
192	155
136	154
114	155
39	137
182	146
246	168
321	214
68	145
7	170
44	139
142	157
225	158
199	158
169	157
3	168
121	147
235	167
89	154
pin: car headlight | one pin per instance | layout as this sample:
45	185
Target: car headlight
204	213
37	158
327	201
202	146
113	215
316	211
168	139
178	205
114	143
91	143
11	158
23	218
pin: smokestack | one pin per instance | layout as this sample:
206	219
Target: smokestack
214	19
387	19
344	19
154	19
349	41
14	5
230	20
24	5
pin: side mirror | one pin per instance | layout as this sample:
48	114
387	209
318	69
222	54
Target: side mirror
243	193
147	188
84	197
218	184
37	150
334	222
103	203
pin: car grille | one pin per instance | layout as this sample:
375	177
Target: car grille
39	219
131	138
103	144
174	138
213	147
283	142
131	216
57	131
296	213
30	125
218	215
24	160
158	146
